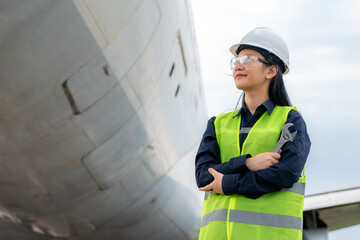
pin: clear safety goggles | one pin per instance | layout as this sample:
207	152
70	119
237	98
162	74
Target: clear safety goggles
245	59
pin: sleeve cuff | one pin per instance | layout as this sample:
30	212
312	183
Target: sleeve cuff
229	184
239	165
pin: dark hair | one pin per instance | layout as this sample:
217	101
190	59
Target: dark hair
277	91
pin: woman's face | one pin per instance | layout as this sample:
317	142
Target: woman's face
252	75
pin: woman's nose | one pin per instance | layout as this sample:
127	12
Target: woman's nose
238	66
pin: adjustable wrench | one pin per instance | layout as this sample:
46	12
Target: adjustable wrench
285	137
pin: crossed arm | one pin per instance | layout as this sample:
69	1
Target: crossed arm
249	175
259	162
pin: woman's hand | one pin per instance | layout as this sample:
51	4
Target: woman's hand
262	161
216	185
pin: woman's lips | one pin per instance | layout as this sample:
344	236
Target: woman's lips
240	75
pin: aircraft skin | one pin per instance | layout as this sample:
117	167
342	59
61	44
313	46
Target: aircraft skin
102	111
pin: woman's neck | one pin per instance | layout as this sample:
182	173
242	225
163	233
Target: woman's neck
253	100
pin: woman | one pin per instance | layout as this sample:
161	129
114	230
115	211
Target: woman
256	193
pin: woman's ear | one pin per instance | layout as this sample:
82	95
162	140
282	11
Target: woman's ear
271	71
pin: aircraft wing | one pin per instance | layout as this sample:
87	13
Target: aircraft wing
332	210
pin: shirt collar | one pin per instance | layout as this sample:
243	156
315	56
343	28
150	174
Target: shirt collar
268	104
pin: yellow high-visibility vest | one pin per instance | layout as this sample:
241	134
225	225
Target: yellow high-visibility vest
277	215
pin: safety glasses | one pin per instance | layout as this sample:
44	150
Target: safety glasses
245	59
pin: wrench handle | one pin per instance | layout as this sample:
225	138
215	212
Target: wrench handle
278	146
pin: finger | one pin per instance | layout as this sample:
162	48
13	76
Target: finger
276	155
274	161
206	188
212	172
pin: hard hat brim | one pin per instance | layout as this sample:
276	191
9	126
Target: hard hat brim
233	49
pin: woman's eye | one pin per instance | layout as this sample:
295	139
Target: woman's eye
247	59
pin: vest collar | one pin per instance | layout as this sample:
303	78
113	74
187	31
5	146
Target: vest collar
268	104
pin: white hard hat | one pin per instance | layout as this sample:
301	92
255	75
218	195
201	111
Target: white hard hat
268	39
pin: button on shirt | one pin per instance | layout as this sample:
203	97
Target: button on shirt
238	179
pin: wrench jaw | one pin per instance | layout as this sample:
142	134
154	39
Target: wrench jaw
285	137
285	129
289	137
293	135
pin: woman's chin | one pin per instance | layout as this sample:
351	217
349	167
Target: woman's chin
240	86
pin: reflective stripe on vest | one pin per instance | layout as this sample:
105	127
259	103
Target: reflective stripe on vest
276	215
216	215
245	130
263	219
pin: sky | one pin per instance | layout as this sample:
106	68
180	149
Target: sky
323	38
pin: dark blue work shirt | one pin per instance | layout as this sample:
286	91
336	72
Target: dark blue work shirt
238	179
